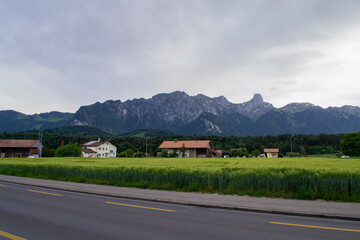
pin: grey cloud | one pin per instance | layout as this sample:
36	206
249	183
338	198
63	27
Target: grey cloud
101	50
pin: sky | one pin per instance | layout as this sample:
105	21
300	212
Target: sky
60	55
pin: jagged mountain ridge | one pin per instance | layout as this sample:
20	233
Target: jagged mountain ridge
171	111
180	113
201	115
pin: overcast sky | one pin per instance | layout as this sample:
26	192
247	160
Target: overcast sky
59	55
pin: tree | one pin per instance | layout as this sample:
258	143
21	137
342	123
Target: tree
69	150
350	144
183	150
255	153
129	153
242	152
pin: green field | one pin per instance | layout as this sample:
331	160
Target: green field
302	178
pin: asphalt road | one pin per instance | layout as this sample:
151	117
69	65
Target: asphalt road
39	213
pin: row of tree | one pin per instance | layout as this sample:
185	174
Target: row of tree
303	144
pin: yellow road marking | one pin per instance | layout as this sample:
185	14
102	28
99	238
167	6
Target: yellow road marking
320	227
128	205
54	194
10	236
2	185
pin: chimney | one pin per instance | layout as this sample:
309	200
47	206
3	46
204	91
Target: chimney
98	139
175	140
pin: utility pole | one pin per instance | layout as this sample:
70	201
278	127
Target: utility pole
39	144
291	146
146	147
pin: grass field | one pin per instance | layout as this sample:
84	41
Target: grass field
302	178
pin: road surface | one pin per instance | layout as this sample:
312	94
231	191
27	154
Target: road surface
28	212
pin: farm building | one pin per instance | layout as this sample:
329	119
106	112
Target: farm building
19	148
271	152
98	149
193	148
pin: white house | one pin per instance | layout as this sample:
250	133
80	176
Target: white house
98	149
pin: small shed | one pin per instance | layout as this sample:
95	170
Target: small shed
271	152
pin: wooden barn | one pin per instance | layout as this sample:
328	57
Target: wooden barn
19	148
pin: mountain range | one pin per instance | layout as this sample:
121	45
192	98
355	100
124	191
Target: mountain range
194	115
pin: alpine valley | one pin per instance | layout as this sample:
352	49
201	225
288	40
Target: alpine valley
177	112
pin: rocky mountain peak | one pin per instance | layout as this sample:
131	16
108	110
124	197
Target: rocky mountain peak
255	107
257	100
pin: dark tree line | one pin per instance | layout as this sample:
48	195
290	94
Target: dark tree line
303	144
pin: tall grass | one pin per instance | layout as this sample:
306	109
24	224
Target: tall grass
285	182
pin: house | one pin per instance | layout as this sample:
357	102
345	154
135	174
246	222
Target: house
98	149
19	148
193	148
271	152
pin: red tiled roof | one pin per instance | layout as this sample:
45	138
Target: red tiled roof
187	144
271	150
19	143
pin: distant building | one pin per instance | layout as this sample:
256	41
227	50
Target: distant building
271	152
193	148
98	149
19	148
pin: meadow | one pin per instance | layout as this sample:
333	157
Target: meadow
327	178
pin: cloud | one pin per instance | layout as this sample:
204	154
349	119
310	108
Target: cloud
75	53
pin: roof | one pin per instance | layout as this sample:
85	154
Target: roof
187	144
226	152
20	144
86	150
271	150
93	143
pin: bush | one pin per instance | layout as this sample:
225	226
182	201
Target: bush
164	154
127	153
242	152
255	153
46	152
69	150
294	154
139	155
350	144
173	154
